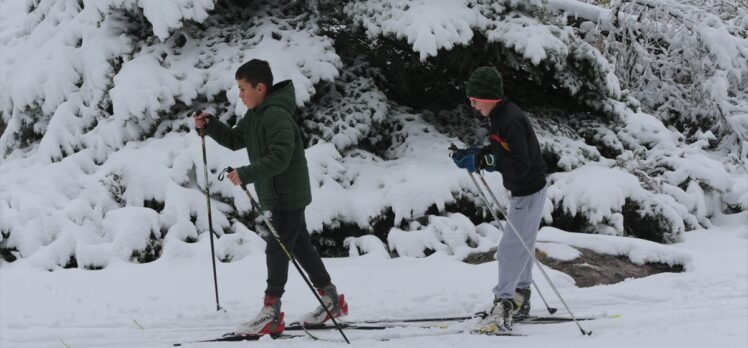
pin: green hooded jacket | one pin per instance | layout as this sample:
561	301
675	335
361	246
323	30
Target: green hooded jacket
273	141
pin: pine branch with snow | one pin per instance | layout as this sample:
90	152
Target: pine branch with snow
647	95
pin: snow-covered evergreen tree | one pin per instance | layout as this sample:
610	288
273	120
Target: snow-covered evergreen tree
641	108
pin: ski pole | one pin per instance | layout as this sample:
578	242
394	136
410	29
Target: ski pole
210	214
550	309
288	254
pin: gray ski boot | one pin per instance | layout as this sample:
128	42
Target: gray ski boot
522	302
503	312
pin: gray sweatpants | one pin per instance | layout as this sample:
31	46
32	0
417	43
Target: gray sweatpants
515	264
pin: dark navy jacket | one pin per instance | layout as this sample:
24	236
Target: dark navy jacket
516	149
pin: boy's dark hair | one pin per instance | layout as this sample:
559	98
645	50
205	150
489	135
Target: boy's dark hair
254	72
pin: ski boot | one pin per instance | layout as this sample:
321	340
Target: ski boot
268	321
498	318
522	303
503	313
334	302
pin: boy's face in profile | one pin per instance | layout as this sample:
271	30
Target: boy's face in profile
483	106
251	96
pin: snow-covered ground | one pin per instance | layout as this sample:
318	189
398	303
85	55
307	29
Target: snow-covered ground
171	300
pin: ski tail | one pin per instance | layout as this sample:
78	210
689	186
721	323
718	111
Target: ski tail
232	337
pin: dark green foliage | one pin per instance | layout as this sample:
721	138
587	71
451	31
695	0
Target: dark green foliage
551	161
151	252
330	241
154	204
567	222
439	82
26	133
636	223
72	262
113	183
7	254
645	226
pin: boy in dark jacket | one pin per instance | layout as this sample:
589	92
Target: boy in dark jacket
514	151
278	169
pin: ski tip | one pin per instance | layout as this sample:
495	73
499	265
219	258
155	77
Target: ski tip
489	329
497	333
492	327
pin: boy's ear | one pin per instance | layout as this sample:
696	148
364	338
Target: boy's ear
261	87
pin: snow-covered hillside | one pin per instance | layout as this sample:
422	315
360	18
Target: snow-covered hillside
95	94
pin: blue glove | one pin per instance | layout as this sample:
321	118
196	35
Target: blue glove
467	158
473	160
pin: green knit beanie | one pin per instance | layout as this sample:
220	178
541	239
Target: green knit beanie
485	83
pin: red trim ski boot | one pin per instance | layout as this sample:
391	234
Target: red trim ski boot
268	321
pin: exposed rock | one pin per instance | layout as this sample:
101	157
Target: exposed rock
591	268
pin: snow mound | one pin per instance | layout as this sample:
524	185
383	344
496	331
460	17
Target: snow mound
367	245
453	235
637	250
600	195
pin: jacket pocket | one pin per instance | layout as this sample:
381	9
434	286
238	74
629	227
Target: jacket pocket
265	190
283	185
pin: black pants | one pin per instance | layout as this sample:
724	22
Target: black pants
291	227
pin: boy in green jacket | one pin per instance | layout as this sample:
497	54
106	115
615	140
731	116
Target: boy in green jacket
278	169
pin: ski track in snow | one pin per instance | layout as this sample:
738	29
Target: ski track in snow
173	300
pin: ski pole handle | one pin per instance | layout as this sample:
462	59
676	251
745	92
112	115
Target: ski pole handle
228	170
204	119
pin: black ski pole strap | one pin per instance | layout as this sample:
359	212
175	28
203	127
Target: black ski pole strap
222	174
